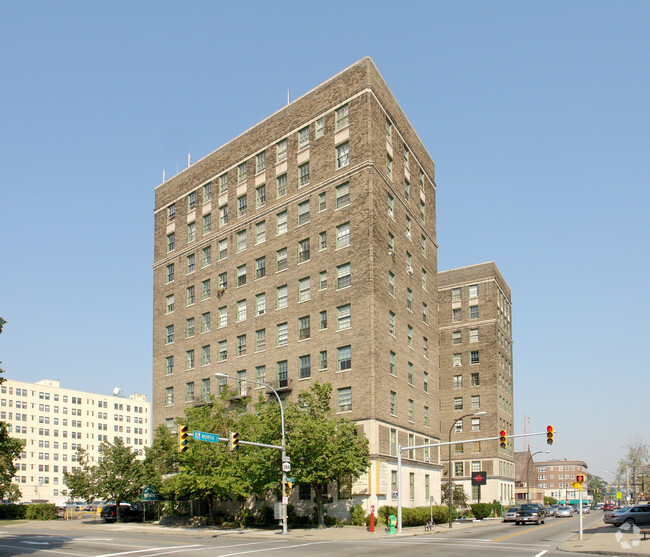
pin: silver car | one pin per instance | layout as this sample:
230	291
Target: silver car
511	514
564	512
639	514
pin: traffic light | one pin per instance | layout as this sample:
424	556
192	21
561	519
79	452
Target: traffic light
288	486
182	438
549	435
580	478
234	441
503	441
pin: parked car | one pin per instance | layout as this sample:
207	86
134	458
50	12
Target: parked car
598	506
564	512
639	514
585	509
608	506
128	513
511	514
530	512
550	510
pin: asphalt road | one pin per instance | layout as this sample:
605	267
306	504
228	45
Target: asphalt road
116	540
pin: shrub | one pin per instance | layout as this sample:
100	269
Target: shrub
417	516
264	516
358	515
42	511
12	512
481	510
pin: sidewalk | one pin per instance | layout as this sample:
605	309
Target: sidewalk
610	540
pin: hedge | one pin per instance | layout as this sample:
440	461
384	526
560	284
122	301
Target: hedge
41	511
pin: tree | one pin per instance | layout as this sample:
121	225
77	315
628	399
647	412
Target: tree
10	449
322	447
597	486
119	475
81	481
460	497
634	462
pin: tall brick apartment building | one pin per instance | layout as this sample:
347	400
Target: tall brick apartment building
476	376
305	250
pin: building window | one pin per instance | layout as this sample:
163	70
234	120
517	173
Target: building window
322	241
282	297
408	228
458	405
458	381
343	155
456	315
241	173
392	363
223	316
303	138
206	256
190	263
411	413
391	283
305	366
260	304
344	317
241	275
223	350
426	381
171	242
423	245
223	248
323	320
205	322
393	403
343	276
189	359
389	131
476	424
169	304
343	195
260	268
304	328
281	185
282	369
260	196
241	240
260	162
409	264
281	223
260	340
473	335
169	396
303	213
260	232
190	295
304	289
207	223
322	201
170	273
171	212
281	261
320	128
191	201
409	336
281	150
425	314
303	250
260	374
426	420
407	158
409	374
282	334
189	327
322	280
169	365
241	345
343	235
474	379
389	167
223	183
205	355
303	175
323	360
344	358
473	357
241	310
475	402
407	190
473	291
345	399
341	117
455	294
191	232
391	323
457	360
456	337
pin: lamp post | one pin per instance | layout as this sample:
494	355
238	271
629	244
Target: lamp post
451	489
285	499
528	472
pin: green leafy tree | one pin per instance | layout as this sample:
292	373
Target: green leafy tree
10	449
597	486
119	475
81	481
323	448
161	459
460	497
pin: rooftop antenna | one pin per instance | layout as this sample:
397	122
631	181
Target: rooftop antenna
189	160
287	96
118	392
163	174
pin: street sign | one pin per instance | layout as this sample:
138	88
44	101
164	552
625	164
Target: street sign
203	436
394	492
149	494
479	478
619	495
286	467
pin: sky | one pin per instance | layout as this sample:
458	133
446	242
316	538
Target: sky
536	114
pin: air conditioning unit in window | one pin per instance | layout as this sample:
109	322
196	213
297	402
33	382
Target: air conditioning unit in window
410	272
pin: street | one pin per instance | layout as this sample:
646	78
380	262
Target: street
95	539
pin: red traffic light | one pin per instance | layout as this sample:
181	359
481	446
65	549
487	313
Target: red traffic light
549	434
503	441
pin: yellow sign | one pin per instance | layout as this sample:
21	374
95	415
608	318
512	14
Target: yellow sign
618	495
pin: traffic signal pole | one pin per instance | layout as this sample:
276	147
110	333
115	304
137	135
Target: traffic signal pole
455	442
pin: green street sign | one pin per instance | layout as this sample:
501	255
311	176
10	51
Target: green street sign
149	494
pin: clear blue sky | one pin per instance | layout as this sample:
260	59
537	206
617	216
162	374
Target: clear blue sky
536	113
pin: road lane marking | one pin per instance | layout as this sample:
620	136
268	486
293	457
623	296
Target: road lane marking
542	553
527	530
143	550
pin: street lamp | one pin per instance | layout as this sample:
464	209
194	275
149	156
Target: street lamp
285	499
451	490
528	472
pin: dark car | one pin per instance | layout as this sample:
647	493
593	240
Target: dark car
530	512
128	513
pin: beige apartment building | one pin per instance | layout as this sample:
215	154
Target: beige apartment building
556	476
305	250
54	421
476	378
